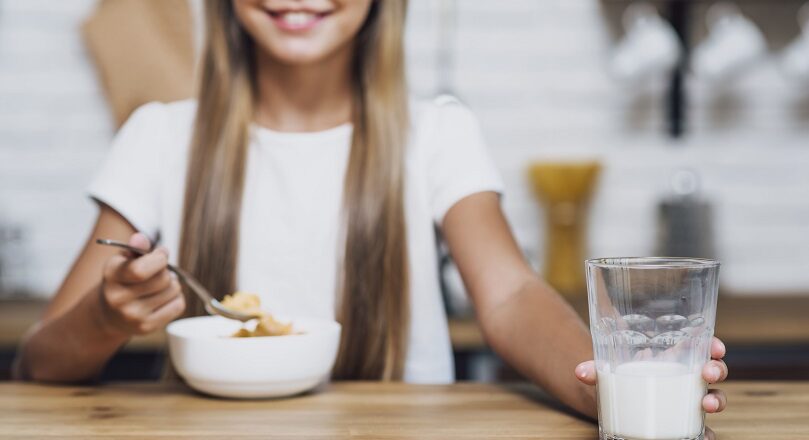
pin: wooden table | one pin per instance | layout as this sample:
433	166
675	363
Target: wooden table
772	410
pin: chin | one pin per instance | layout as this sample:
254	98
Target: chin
297	55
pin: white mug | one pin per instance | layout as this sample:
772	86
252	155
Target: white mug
733	43
794	61
650	47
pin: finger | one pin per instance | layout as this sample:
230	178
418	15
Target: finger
715	401
717	348
159	318
159	282
142	268
586	372
715	371
709	434
113	265
140	241
156	301
166	313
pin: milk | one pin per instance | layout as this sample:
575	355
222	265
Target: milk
648	400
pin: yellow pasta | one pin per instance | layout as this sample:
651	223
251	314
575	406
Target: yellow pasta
266	325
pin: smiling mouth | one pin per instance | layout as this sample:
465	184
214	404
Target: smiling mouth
297	20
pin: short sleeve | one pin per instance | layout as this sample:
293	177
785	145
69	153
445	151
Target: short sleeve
129	180
459	164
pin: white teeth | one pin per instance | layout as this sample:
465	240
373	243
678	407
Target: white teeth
298	18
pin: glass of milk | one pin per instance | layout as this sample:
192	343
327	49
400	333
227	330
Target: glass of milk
652	320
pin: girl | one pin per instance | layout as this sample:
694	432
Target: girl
303	172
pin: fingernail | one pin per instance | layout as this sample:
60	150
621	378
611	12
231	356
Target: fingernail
580	372
715	403
715	373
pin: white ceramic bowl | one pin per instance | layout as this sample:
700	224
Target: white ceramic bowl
272	366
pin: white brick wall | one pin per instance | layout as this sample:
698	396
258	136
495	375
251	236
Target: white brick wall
533	71
54	130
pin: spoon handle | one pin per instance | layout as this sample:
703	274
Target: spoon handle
195	286
211	304
133	249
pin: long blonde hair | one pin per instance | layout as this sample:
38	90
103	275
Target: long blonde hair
373	287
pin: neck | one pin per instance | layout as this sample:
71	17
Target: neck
309	97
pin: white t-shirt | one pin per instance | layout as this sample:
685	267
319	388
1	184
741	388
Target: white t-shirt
288	246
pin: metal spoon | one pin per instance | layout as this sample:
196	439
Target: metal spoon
212	305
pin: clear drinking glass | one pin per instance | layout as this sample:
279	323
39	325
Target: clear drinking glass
652	320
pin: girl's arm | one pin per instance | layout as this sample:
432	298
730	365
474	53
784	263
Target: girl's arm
522	318
105	299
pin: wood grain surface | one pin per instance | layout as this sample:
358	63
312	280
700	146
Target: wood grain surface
352	410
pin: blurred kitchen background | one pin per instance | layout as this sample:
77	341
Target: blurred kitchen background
620	127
